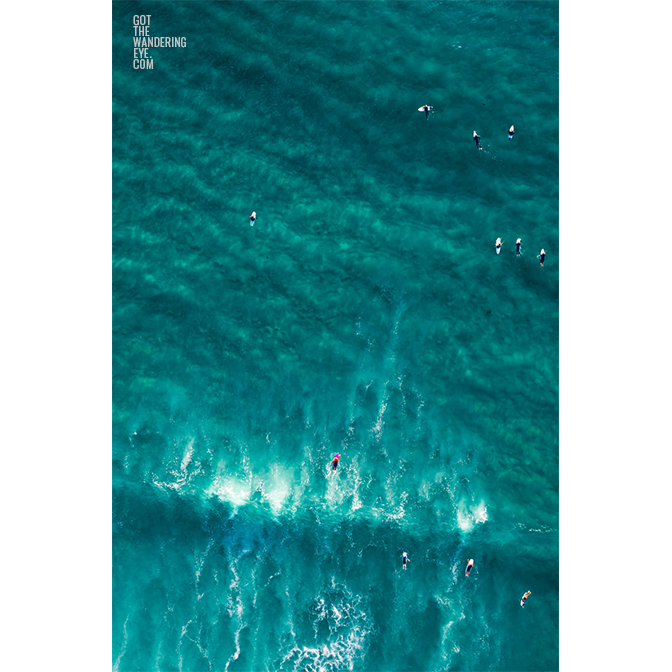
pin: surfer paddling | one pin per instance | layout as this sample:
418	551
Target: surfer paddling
425	109
477	140
527	594
518	244
253	218
334	462
404	559
541	256
511	132
470	564
498	245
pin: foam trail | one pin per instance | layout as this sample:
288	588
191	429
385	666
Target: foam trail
124	644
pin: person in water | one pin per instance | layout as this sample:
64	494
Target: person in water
426	109
518	244
253	218
334	462
470	564
541	256
511	132
477	140
527	594
498	245
404	559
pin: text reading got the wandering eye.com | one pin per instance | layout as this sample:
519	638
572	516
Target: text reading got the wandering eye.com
142	41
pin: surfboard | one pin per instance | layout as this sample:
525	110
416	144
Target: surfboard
498	246
422	109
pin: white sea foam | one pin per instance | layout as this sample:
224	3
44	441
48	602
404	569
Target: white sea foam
468	516
276	489
480	512
378	427
349	630
341	654
183	634
124	644
398	512
356	501
464	519
186	458
200	559
230	489
240	624
290	611
197	642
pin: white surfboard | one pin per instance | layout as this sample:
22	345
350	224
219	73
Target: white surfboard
498	245
422	109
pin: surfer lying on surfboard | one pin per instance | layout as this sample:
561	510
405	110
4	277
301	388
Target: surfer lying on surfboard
527	594
498	245
511	132
470	564
541	256
518	244
253	218
477	140
334	462
404	559
425	109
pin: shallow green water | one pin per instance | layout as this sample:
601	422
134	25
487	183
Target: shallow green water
364	313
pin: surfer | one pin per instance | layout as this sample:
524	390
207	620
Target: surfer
334	462
404	559
527	594
253	218
425	108
477	140
541	256
498	245
470	564
518	244
511	132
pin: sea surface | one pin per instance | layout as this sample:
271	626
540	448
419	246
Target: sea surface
364	313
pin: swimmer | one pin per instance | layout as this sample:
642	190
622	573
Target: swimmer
470	564
404	559
527	594
253	218
518	244
334	462
425	109
541	256
498	245
511	132
477	140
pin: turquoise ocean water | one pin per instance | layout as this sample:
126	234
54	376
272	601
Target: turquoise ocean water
365	313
